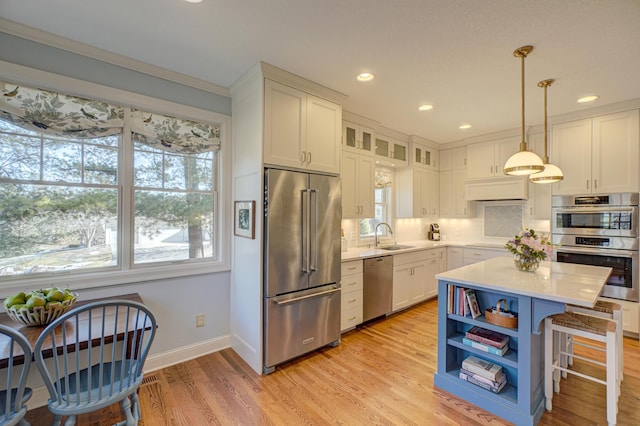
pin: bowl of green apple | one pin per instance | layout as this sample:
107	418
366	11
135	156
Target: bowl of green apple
39	307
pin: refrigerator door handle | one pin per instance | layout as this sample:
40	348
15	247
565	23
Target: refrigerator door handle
308	296
314	197
306	219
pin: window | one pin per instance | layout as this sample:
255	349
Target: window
382	207
79	194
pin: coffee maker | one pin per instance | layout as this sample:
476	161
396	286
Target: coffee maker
434	232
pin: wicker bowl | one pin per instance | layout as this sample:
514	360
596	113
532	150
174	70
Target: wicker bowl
41	315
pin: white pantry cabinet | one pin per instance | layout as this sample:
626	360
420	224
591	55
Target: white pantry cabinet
487	159
357	138
301	131
418	192
597	155
352	297
358	190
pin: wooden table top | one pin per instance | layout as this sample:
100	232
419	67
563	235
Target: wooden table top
32	333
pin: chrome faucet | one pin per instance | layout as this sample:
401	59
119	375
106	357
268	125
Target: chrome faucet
375	232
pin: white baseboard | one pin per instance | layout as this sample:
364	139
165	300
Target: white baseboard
153	363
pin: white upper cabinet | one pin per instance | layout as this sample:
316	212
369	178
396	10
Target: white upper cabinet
418	193
358	180
357	138
389	152
453	172
423	156
453	159
597	155
487	159
301	130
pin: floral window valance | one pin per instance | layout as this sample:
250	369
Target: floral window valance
174	134
383	178
54	113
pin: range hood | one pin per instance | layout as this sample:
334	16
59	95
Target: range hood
501	188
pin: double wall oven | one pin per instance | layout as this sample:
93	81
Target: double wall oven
600	230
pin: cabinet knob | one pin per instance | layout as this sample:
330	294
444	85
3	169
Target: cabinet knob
308	157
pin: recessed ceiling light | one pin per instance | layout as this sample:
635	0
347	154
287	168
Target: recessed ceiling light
589	98
365	76
425	107
464	126
194	1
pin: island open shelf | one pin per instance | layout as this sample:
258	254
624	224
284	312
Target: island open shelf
532	296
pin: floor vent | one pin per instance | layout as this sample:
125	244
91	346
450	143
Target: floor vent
149	379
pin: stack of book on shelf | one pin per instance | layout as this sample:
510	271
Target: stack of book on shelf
486	340
483	373
463	301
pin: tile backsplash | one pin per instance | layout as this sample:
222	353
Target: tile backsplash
502	220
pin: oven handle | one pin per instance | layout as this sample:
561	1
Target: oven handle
593	209
606	252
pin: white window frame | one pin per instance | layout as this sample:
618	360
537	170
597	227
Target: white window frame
141	273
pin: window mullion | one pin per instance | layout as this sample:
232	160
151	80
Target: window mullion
126	210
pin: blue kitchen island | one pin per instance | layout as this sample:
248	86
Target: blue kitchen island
533	296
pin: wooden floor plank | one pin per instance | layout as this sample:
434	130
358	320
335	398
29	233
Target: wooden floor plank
380	374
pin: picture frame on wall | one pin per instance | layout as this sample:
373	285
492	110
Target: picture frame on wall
244	219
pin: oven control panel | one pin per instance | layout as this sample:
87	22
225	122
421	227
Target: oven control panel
593	241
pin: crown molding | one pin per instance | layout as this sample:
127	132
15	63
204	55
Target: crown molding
58	42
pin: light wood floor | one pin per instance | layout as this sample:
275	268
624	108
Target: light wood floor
380	374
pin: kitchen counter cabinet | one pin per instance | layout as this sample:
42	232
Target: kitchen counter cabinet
409	278
436	263
352	294
533	296
478	254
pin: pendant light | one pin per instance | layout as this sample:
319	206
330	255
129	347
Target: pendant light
551	172
523	162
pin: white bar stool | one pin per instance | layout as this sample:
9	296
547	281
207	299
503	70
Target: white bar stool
603	309
589	327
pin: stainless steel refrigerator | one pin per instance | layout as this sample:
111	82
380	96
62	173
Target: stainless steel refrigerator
301	264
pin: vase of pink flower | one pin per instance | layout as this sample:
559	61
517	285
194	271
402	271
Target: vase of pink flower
529	249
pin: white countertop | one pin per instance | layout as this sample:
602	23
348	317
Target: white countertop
560	282
359	253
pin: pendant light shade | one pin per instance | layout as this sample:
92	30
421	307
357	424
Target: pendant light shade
523	162
551	172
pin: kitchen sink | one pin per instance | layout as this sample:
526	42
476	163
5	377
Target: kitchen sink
395	247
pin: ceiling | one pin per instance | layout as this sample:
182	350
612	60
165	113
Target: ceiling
454	54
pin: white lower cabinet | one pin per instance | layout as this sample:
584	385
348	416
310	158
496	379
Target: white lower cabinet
436	263
455	257
630	315
475	254
409	275
352	297
414	276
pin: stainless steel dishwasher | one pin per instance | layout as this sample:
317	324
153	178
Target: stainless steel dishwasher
378	287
